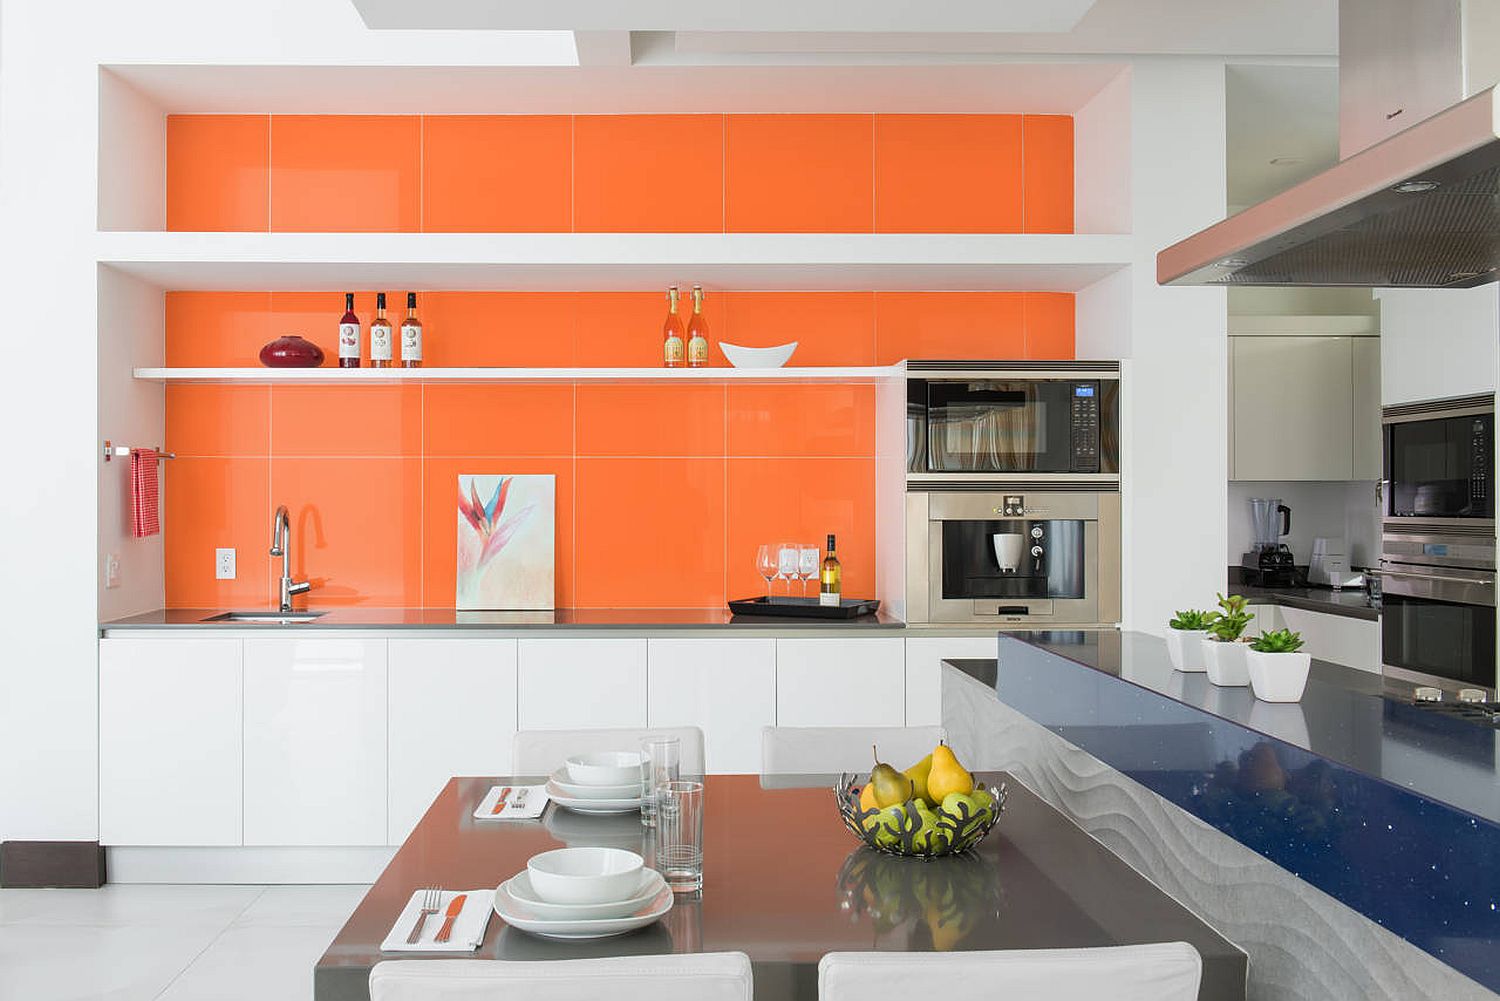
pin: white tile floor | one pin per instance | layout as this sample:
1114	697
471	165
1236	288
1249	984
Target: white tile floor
177	943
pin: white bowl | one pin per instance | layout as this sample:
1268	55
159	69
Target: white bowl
648	885
1185	647
1225	662
605	768
578	790
1278	677
743	357
584	875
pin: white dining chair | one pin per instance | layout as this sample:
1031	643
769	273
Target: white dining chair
540	752
709	976
1167	971
820	750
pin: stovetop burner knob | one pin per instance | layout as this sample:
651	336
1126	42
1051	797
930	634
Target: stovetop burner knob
1428	694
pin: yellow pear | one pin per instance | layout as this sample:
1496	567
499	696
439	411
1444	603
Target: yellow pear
947	775
891	787
918	775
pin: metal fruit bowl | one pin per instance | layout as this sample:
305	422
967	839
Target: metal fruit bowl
964	830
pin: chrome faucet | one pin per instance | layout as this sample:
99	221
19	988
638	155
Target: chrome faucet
281	545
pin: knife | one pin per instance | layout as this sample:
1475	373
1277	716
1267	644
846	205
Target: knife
454	907
500	803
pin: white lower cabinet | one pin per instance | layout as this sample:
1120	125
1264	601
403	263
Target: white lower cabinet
452	712
567	683
924	671
1341	639
727	687
841	682
169	741
315	741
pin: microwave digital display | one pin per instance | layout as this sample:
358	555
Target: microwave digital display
1083	390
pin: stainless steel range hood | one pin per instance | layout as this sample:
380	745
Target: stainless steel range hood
1420	209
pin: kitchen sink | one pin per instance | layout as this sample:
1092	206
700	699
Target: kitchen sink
272	618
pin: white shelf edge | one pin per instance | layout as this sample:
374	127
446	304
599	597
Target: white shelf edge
389	376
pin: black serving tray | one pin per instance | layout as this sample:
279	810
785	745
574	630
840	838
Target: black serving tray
789	607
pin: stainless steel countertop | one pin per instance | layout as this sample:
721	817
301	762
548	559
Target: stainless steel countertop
361	617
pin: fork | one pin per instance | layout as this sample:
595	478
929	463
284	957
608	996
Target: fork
432	901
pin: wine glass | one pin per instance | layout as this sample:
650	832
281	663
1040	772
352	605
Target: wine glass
765	565
808	558
786	563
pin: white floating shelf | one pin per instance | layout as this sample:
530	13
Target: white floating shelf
389	376
615	261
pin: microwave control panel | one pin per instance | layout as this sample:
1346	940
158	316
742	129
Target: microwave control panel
1085	422
1479	476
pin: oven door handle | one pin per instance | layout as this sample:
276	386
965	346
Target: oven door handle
1444	578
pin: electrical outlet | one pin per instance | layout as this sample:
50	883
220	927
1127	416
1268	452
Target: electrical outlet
112	570
223	564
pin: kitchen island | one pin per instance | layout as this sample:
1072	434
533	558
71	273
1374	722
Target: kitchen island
1347	842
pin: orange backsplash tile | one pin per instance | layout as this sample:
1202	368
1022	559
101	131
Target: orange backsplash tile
1047	165
830	328
808	420
948	173
212	329
209	504
476	419
218	172
346	421
648	174
206	420
505	329
644	420
625	328
1049	325
497	173
799	174
346	173
948	325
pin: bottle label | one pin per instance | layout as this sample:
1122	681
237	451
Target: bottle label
380	343
672	350
698	351
411	342
828	599
348	340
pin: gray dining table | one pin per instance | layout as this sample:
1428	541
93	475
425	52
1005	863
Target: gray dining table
786	883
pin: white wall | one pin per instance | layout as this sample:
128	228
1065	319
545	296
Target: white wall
1436	343
1334	509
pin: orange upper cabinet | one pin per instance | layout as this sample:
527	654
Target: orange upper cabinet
346	173
948	173
799	174
218	172
497	173
1048	158
648	174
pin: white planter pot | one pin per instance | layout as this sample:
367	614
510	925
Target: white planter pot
1225	662
1185	647
1278	677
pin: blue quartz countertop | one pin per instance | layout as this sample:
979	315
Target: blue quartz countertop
1391	808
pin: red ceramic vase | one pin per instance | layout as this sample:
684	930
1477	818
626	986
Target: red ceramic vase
291	351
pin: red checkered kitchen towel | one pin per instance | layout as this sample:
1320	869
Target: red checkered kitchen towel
143	517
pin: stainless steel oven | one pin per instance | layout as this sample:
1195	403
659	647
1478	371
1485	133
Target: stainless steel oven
1015	556
1013	421
1437	620
1439	463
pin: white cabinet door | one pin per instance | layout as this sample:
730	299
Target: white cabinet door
1267	618
1438	342
315	741
1337	638
924	672
1367	449
1293	408
452	711
169	741
841	682
574	683
727	687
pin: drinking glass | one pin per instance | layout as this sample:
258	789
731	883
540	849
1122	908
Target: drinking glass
661	758
679	835
808	558
786	563
765	565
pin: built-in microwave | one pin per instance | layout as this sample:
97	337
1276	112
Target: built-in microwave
1439	463
1013	420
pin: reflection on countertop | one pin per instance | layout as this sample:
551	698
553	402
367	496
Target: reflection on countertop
361	617
1351	602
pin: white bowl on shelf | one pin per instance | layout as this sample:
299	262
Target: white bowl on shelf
585	875
742	357
605	768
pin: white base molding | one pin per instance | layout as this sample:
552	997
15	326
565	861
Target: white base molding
246	865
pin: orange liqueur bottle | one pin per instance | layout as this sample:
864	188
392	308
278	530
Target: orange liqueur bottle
697	343
671	333
380	335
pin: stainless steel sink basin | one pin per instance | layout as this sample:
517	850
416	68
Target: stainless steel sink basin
270	618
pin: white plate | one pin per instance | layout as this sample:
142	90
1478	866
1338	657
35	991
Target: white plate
628	791
523	893
567	802
519	915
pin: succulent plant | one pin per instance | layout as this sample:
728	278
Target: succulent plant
1230	624
1193	619
1277	641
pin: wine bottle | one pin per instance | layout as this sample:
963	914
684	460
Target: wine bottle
830	578
411	334
671	333
697	344
380	335
349	335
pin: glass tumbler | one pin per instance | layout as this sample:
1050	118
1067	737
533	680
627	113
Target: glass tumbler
679	835
661	759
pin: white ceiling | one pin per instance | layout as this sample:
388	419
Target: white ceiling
1288	113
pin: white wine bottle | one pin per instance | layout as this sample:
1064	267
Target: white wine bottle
830	578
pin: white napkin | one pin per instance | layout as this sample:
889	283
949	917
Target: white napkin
468	928
536	802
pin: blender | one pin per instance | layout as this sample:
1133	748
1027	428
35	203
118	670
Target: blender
1269	561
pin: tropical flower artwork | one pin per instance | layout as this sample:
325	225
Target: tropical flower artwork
506	532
